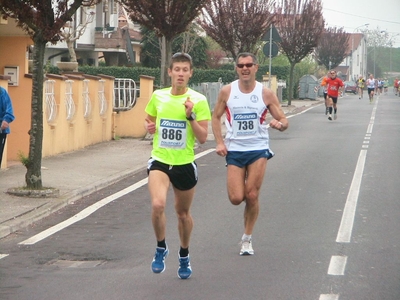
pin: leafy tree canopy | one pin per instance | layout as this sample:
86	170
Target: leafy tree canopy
151	56
237	25
300	25
45	17
165	17
332	47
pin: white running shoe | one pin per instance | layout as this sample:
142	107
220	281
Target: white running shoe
247	248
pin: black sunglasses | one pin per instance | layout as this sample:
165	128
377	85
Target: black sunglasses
249	65
178	54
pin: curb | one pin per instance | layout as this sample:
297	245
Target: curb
36	214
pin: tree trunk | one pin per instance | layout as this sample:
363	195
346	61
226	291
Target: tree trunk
166	53
71	50
291	83
161	41
33	176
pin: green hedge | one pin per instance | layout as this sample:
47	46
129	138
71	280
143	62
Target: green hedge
199	75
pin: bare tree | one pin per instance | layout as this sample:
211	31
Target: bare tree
42	21
237	25
332	47
300	25
72	32
167	18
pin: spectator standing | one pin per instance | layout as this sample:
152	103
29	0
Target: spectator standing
6	117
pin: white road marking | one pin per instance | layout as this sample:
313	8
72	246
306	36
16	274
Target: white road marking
303	111
328	297
3	255
370	126
337	265
346	225
91	209
201	154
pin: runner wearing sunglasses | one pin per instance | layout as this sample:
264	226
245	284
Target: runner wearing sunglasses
245	103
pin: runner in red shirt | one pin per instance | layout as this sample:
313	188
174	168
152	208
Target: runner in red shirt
335	85
396	86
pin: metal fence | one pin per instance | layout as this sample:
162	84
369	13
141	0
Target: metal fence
210	90
125	94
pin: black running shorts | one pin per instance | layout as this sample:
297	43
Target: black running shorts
182	177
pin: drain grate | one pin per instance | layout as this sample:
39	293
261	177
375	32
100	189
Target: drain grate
80	264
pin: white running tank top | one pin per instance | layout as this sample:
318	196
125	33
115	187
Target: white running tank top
246	128
370	83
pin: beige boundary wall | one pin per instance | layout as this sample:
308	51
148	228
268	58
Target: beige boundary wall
131	123
61	134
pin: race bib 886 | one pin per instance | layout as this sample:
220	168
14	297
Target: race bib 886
172	134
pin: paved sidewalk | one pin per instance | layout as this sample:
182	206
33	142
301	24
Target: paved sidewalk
78	174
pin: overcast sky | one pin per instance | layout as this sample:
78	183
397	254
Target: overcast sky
353	14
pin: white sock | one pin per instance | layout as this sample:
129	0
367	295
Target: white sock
246	238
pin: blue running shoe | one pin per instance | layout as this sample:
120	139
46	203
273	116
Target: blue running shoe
185	270
158	264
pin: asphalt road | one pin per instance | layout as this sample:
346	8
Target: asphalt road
327	229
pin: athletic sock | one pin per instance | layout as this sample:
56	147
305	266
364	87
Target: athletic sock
183	252
246	237
330	110
162	244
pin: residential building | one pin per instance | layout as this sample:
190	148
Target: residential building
110	37
355	64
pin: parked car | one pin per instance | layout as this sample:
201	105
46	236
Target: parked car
350	87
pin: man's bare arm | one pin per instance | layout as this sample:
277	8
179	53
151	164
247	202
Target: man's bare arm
279	120
218	112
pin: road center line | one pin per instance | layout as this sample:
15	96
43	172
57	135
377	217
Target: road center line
337	265
328	297
91	209
346	225
3	255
